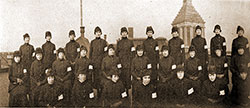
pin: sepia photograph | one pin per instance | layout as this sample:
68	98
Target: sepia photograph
125	53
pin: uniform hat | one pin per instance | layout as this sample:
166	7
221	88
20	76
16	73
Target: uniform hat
124	29
111	46
25	35
60	50
146	72
217	27
97	29
71	32
192	48
49	72
179	68
139	47
83	48
164	47
197	27
149	28
239	28
39	50
47	33
17	53
174	29
211	69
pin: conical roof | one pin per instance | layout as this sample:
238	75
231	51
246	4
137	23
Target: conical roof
188	14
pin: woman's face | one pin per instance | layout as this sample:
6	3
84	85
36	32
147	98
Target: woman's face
140	53
198	32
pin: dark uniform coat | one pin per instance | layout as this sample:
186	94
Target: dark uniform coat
18	91
179	90
71	50
49	94
200	45
218	40
63	75
112	93
109	63
80	96
194	69
212	90
37	75
48	54
176	49
242	90
236	61
165	68
27	51
239	84
221	65
96	54
82	64
125	52
142	95
151	50
166	73
240	40
138	65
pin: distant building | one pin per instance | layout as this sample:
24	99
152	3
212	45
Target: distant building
186	20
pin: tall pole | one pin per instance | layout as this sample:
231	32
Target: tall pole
81	12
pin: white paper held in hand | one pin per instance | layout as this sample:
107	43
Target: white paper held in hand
24	70
182	46
190	91
124	94
154	95
54	51
119	66
149	66
156	48
90	67
224	43
133	49
69	69
78	49
105	48
222	92
199	68
225	65
60	97
91	95
33	54
173	67
205	47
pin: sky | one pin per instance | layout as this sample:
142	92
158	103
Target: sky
35	17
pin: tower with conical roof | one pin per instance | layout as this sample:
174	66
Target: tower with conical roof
186	20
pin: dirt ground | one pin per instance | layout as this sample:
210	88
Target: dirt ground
4	95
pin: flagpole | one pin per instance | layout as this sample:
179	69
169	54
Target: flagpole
81	12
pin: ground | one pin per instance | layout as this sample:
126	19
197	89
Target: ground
4	95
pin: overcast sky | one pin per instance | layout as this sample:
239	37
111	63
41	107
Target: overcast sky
18	17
